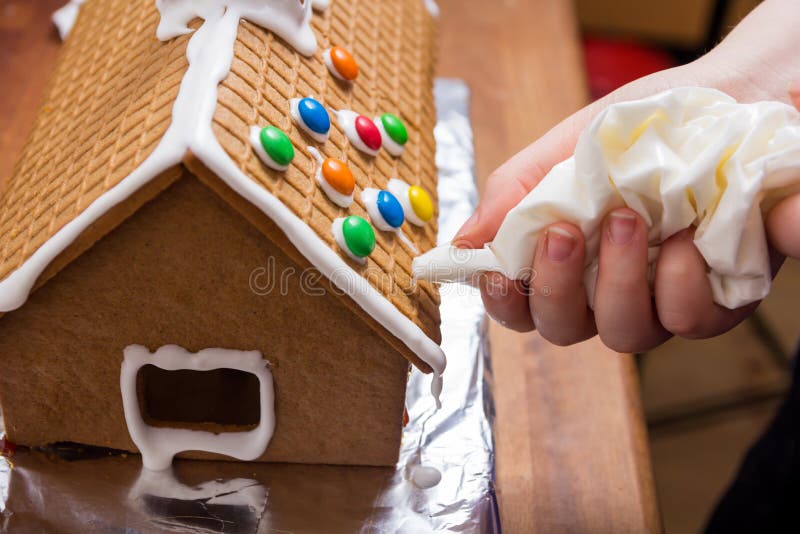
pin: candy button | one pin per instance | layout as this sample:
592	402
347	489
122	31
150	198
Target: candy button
343	63
277	145
390	208
368	132
314	115
395	128
358	235
338	175
420	202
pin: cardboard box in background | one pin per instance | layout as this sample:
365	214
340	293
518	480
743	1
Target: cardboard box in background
680	24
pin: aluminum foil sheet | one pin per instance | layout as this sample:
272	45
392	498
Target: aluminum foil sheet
86	489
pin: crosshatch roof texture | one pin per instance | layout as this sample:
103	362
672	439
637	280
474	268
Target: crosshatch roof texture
110	101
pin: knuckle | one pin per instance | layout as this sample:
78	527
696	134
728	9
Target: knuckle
621	344
682	323
559	337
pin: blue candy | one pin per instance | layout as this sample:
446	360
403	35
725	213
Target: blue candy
390	208
314	115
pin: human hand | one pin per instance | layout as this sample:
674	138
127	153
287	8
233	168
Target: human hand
750	65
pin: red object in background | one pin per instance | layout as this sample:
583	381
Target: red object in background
613	63
7	448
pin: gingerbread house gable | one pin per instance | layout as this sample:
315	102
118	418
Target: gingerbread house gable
126	111
190	271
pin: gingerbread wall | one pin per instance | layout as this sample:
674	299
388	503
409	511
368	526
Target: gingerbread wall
178	271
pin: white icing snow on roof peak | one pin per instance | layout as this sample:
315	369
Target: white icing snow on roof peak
289	19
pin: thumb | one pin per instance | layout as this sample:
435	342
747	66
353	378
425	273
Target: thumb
515	178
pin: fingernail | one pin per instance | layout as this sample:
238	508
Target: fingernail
794	93
461	235
560	244
621	227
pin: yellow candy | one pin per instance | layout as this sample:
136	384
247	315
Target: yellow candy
420	202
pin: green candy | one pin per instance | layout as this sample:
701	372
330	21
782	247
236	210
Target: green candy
358	235
277	145
395	128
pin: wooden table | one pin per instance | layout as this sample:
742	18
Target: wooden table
571	444
572	451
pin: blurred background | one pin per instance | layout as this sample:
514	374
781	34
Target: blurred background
705	401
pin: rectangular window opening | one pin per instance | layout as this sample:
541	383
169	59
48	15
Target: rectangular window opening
203	400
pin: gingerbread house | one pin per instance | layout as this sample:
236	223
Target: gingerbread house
191	263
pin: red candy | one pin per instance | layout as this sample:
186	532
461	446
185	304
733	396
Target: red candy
368	132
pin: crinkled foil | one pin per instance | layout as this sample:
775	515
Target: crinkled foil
69	489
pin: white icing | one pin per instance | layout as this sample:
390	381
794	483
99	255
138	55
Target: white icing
370	198
320	5
338	235
298	119
394	148
64	17
347	122
210	53
336	197
405	239
255	142
159	445
288	19
399	188
326	58
432	7
687	156
425	477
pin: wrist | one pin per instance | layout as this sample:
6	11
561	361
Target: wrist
757	60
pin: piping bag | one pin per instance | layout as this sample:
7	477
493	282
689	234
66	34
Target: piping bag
685	157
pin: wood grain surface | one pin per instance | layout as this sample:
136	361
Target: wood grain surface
572	452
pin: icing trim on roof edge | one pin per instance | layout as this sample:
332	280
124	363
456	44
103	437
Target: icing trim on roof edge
65	16
210	54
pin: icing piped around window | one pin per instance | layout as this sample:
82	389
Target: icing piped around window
159	445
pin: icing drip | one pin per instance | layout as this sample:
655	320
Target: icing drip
425	477
64	17
210	53
159	445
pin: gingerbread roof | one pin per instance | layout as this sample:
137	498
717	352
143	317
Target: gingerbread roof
110	103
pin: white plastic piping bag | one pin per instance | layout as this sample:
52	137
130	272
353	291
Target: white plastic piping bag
687	156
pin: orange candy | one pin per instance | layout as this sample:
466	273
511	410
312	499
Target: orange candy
338	175
344	63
